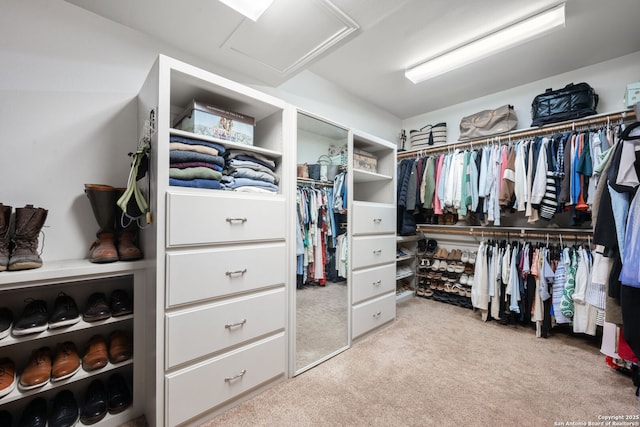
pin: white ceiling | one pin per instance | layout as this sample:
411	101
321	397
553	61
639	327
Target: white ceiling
364	46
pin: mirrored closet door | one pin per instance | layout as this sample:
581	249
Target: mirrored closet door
321	294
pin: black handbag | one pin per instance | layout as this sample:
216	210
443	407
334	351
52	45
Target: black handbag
571	102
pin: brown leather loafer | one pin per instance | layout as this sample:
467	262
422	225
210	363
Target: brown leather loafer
66	362
7	376
96	356
120	348
38	370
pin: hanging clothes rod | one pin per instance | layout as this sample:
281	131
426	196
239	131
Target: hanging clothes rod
531	233
597	120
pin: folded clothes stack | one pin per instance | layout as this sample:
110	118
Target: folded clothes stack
195	163
249	172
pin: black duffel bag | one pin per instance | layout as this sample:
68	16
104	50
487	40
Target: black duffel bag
570	102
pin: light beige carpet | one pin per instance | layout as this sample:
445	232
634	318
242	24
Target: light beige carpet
440	365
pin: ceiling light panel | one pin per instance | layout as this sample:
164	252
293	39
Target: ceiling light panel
498	41
252	9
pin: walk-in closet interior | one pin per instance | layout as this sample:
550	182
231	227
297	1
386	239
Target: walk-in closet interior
203	205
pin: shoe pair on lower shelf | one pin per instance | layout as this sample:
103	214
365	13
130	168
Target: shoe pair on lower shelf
99	399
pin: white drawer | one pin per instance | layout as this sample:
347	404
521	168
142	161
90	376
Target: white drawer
369	251
372	282
220	217
372	314
373	218
203	274
203	386
204	330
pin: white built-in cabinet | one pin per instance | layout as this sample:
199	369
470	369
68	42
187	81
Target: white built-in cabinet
77	279
220	278
372	239
220	257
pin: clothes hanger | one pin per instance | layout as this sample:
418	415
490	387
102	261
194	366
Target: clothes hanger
625	133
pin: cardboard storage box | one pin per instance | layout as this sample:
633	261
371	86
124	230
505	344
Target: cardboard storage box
365	161
205	119
632	95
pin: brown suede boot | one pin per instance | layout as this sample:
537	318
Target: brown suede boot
29	222
5	219
103	204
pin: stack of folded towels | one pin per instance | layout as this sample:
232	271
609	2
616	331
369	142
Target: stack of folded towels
195	163
249	172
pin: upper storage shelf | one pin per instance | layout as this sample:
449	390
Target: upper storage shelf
374	168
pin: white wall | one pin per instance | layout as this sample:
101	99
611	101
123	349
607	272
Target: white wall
609	79
68	86
316	95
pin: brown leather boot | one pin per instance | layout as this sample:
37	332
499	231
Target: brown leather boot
29	222
126	234
5	217
103	203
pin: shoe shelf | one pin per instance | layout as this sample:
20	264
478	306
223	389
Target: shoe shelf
66	271
406	266
404	257
81	325
404	275
18	394
446	276
79	279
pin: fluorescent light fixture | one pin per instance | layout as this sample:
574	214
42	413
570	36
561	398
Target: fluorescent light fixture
491	44
252	9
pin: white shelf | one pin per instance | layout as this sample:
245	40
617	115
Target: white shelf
68	270
404	276
365	176
227	144
404	296
404	258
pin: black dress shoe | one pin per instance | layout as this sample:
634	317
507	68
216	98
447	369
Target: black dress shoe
33	318
97	308
119	394
120	303
5	419
35	414
95	403
65	312
6	320
65	410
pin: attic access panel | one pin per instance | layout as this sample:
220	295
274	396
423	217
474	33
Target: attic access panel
291	33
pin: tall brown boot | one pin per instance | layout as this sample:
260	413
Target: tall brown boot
5	238
126	234
103	204
29	222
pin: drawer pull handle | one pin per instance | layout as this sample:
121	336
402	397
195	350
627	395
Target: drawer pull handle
377	283
231	220
377	251
377	314
231	273
232	325
377	220
235	377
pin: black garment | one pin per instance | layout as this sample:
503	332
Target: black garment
629	302
406	224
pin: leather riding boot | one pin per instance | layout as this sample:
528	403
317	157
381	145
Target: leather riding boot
126	234
5	219
103	204
29	222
